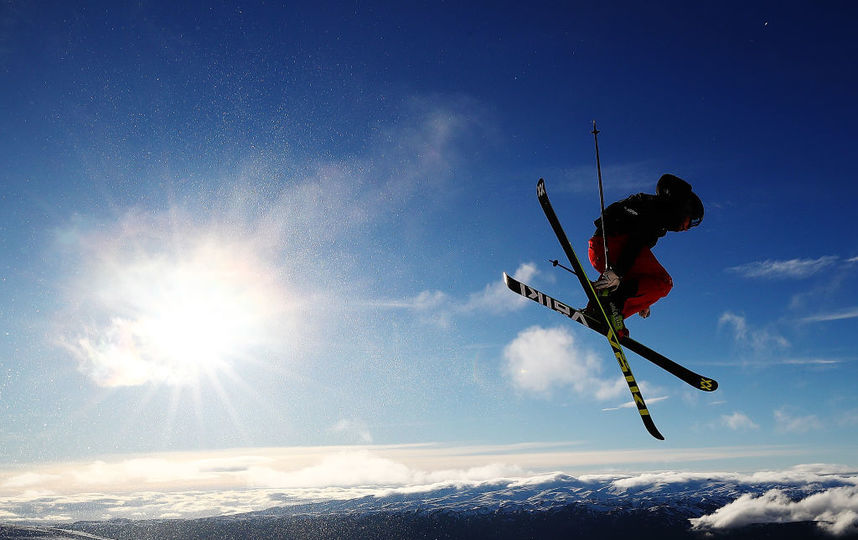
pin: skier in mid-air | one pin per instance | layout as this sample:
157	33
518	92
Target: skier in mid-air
633	279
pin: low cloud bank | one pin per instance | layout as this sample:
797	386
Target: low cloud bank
835	510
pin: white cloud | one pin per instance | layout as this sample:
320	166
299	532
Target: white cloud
834	510
540	359
344	469
497	298
632	404
154	471
812	361
792	268
760	340
848	313
354	428
738	421
424	301
439	308
834	507
738	322
787	422
28	480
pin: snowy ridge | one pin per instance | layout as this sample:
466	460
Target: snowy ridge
803	502
685	493
681	502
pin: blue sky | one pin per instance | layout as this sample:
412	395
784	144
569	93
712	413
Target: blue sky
278	226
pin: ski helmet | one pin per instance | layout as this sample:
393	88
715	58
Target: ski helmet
686	203
672	187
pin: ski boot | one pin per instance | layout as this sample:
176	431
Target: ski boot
612	306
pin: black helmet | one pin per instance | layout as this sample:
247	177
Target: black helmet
685	202
672	187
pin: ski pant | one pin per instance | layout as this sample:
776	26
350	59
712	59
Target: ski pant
643	284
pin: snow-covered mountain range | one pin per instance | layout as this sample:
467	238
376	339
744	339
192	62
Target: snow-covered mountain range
807	502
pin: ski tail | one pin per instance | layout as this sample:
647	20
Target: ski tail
613	340
697	381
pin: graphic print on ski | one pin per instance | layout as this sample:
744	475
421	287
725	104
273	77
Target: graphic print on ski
591	295
696	380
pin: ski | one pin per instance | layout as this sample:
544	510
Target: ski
591	294
696	380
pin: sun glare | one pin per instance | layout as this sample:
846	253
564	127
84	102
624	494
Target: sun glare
197	319
173	312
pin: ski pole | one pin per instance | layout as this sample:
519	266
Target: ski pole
601	195
555	262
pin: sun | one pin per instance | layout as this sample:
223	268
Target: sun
198	316
174	309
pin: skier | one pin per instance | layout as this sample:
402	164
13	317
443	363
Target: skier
633	279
